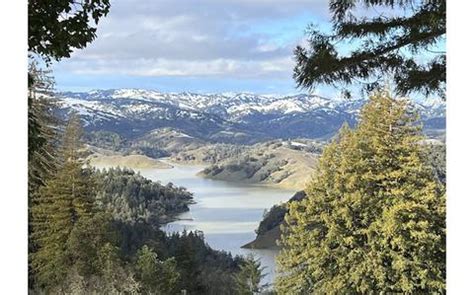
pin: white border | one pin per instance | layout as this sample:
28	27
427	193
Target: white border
13	115
13	207
460	139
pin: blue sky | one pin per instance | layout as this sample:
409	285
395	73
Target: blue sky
198	46
201	46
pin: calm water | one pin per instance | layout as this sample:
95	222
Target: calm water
227	213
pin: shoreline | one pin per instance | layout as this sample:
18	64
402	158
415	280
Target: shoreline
135	161
267	241
264	242
203	165
127	161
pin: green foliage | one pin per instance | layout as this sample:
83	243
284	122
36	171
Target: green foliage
203	270
115	278
437	160
384	44
67	197
157	277
374	217
130	197
271	218
106	139
42	143
248	279
276	215
85	242
147	268
57	27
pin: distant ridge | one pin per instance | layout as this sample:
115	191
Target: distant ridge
227	117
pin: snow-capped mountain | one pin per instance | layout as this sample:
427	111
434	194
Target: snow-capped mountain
227	117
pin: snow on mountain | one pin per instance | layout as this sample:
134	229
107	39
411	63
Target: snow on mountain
234	103
205	115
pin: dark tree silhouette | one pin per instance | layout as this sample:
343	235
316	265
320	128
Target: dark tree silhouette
384	45
56	27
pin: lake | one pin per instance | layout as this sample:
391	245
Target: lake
227	213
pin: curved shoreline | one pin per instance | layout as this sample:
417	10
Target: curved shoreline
129	161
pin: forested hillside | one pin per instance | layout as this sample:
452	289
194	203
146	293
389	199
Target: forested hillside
269	229
128	196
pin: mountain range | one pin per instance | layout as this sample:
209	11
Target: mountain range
243	118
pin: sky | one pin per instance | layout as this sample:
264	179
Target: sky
199	46
204	46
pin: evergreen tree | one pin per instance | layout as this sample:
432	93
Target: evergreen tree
157	277
65	198
385	43
248	279
114	277
130	197
374	217
85	242
42	137
42	141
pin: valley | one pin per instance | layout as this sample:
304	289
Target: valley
240	137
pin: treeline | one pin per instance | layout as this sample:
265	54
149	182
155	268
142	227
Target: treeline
128	196
248	167
211	154
115	142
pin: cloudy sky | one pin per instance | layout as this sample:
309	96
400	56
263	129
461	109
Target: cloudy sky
187	45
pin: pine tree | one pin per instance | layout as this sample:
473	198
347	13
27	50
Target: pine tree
42	140
157	277
86	240
114	277
403	45
248	279
65	198
374	218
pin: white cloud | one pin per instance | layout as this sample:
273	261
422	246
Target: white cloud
196	38
275	68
